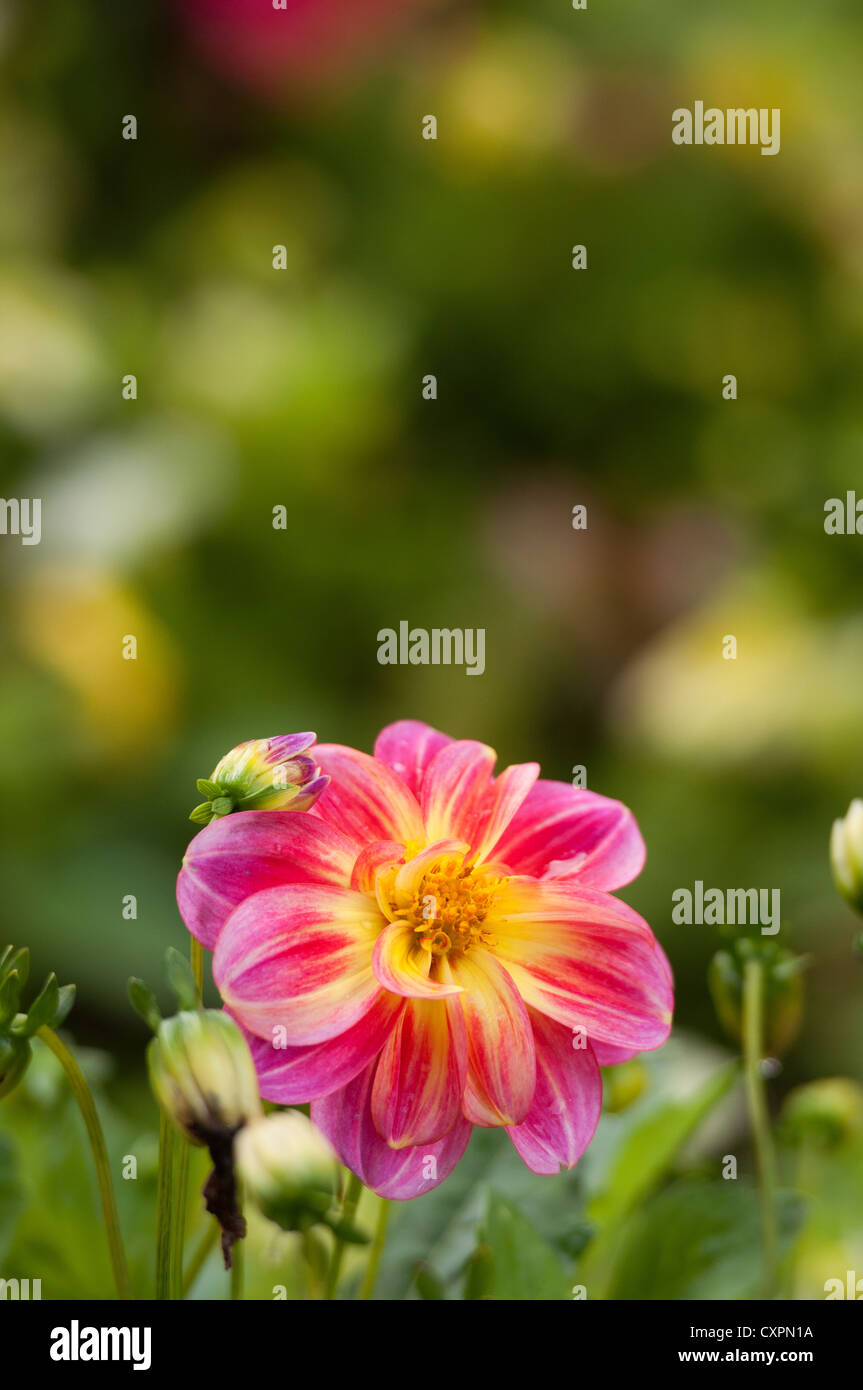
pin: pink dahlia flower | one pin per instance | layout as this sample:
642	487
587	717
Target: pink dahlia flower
430	948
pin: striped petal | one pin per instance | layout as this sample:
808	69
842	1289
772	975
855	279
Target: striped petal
561	831
408	747
298	959
242	854
455	791
365	798
403	966
585	959
376	856
346	1119
566	1103
501	1065
293	1075
416	1097
503	799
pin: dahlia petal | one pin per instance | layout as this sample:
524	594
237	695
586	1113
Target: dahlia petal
501	1069
399	1174
408	747
411	874
365	798
299	958
586	959
561	831
293	1075
416	1097
238	855
566	1103
503	799
455	791
378	855
608	1056
403	966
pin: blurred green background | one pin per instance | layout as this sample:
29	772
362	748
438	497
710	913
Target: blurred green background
303	388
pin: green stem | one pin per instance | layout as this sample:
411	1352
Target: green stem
199	1259
238	1259
759	1119
349	1211
86	1105
377	1249
196	956
165	1263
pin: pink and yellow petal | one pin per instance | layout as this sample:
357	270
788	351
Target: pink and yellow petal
402	965
299	959
566	1103
239	855
455	791
586	959
408	747
501	1065
560	831
293	1075
503	798
416	1097
345	1118
365	799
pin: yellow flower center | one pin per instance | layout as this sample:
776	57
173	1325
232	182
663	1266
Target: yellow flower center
448	906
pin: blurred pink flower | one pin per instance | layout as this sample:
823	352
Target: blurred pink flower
257	44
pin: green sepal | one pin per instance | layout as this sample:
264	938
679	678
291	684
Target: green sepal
18	961
10	993
203	814
143	1001
345	1230
43	1010
222	806
208	789
65	1002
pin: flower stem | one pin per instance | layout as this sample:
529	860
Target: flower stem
199	1259
165	1261
196	956
377	1249
759	1119
349	1211
86	1105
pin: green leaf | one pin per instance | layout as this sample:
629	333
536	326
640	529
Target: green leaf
181	979
699	1241
524	1266
143	1001
651	1147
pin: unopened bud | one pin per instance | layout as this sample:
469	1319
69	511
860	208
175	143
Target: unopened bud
264	774
202	1073
288	1168
846	854
783	991
827	1113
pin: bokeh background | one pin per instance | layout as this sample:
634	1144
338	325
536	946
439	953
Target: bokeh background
302	388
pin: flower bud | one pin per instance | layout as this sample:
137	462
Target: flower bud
623	1084
783	991
827	1113
288	1168
264	774
202	1074
846	854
